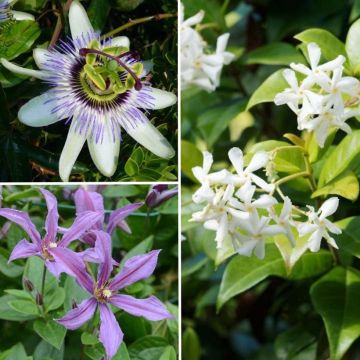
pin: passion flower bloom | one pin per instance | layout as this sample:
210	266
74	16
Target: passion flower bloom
44	246
7	14
100	87
104	292
158	194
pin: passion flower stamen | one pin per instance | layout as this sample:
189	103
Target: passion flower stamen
85	51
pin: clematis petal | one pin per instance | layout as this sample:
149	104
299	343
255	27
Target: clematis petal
146	134
52	218
117	216
23	249
74	266
151	308
81	225
329	207
55	267
43	75
121	41
88	201
105	154
73	145
136	268
78	20
40	56
38	111
110	335
23	220
20	16
160	99
103	249
80	315
237	159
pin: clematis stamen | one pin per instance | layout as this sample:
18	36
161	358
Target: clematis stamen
86	51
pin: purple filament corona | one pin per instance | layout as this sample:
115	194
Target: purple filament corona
4	10
69	100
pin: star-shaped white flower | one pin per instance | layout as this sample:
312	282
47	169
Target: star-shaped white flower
318	226
246	176
97	85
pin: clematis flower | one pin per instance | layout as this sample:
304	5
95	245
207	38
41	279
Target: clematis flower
158	194
101	88
7	14
318	226
198	67
104	292
43	247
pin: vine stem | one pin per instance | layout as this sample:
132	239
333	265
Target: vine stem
43	287
131	23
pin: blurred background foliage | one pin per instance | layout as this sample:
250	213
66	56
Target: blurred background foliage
21	336
276	318
32	154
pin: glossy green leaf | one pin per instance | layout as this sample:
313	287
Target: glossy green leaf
191	156
277	53
27	307
147	348
45	351
352	46
344	157
215	120
333	296
168	354
89	339
345	185
191	348
18	38
51	332
98	12
266	92
289	159
331	47
8	313
349	239
17	352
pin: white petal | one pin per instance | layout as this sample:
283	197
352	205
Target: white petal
264	201
105	154
122	41
211	225
197	18
247	248
332	227
40	56
146	134
262	183
291	79
160	99
23	71
73	145
329	207
314	53
207	161
237	159
260	249
78	20
258	161
315	241
19	16
222	231
37	111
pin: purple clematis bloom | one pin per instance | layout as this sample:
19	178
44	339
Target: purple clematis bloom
104	292
93	201
43	247
158	194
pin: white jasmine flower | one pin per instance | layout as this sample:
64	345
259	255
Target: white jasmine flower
253	234
198	67
202	174
316	74
285	220
99	86
7	14
246	176
318	226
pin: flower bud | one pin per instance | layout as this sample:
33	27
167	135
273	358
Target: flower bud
74	304
39	299
28	285
158	194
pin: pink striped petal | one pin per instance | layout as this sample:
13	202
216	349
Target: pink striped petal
52	218
24	249
118	215
151	308
80	315
136	268
111	335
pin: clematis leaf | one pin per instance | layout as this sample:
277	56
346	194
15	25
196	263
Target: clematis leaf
51	332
